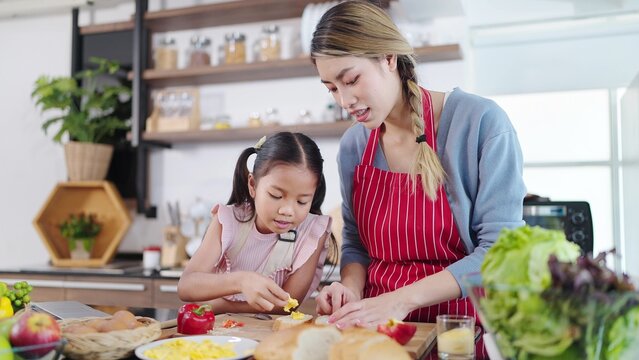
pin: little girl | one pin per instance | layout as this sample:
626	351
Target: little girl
263	246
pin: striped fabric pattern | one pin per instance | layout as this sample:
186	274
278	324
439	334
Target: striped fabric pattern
408	236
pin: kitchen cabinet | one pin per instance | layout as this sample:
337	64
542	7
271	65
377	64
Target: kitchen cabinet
146	23
113	290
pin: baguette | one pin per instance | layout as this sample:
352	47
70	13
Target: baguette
286	322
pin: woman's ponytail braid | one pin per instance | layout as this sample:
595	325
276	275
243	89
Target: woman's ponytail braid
426	163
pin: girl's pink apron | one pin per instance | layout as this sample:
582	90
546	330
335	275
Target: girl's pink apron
408	236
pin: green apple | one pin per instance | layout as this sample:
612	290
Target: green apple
5	349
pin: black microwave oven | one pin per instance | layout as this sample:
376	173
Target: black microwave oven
573	217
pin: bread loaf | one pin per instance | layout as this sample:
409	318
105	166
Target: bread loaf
314	342
364	344
285	322
303	342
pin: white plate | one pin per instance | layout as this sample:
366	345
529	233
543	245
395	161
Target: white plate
243	347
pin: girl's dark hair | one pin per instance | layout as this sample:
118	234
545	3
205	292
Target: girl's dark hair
278	149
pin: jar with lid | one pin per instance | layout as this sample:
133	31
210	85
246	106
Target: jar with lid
235	48
270	44
165	54
199	52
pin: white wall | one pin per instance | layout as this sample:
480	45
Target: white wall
31	163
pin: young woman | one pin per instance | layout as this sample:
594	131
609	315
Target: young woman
269	242
428	178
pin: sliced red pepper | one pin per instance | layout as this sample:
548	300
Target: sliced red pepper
398	330
230	323
194	319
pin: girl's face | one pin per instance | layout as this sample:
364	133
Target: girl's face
282	197
369	89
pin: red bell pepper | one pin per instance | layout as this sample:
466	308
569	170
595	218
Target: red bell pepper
193	319
398	330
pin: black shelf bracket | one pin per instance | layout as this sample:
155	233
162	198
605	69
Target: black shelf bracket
141	110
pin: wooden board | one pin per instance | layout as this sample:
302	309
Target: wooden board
259	329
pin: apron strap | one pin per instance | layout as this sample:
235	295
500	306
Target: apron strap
281	256
371	148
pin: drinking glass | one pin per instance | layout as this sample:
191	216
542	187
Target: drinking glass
455	337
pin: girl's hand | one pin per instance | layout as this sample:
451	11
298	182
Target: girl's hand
331	298
371	312
261	292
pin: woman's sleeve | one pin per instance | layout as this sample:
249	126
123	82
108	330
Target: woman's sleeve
348	158
499	200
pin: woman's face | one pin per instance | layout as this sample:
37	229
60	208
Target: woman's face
282	197
369	89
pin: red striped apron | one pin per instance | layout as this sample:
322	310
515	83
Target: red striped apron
408	236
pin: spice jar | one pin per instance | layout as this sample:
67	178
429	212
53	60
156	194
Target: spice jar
255	120
270	46
165	55
235	48
199	51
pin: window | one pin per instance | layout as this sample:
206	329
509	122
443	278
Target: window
566	142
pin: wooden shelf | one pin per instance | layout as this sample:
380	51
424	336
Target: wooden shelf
105	28
226	13
279	69
335	129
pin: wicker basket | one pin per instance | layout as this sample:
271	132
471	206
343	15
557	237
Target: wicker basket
87	161
110	345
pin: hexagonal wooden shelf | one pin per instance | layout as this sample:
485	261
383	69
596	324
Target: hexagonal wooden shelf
90	197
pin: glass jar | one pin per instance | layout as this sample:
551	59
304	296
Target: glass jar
165	54
255	120
199	53
270	44
235	48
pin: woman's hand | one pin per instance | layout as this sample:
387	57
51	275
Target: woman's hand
331	298
371	312
261	292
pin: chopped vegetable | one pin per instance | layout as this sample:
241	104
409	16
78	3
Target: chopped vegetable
398	330
230	323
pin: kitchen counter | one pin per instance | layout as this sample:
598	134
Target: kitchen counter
119	284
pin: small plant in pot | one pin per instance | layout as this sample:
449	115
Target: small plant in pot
86	108
80	230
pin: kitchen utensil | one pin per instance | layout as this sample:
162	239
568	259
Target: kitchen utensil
259	316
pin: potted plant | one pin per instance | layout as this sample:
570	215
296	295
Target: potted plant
86	114
80	231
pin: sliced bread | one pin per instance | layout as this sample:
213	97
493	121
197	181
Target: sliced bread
285	322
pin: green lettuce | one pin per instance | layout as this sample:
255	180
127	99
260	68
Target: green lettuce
622	339
520	257
515	272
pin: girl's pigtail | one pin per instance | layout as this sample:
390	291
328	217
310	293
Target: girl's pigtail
240	194
318	198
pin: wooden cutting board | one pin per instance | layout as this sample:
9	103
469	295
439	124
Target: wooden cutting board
259	329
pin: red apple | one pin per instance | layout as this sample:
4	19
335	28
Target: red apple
33	328
398	330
